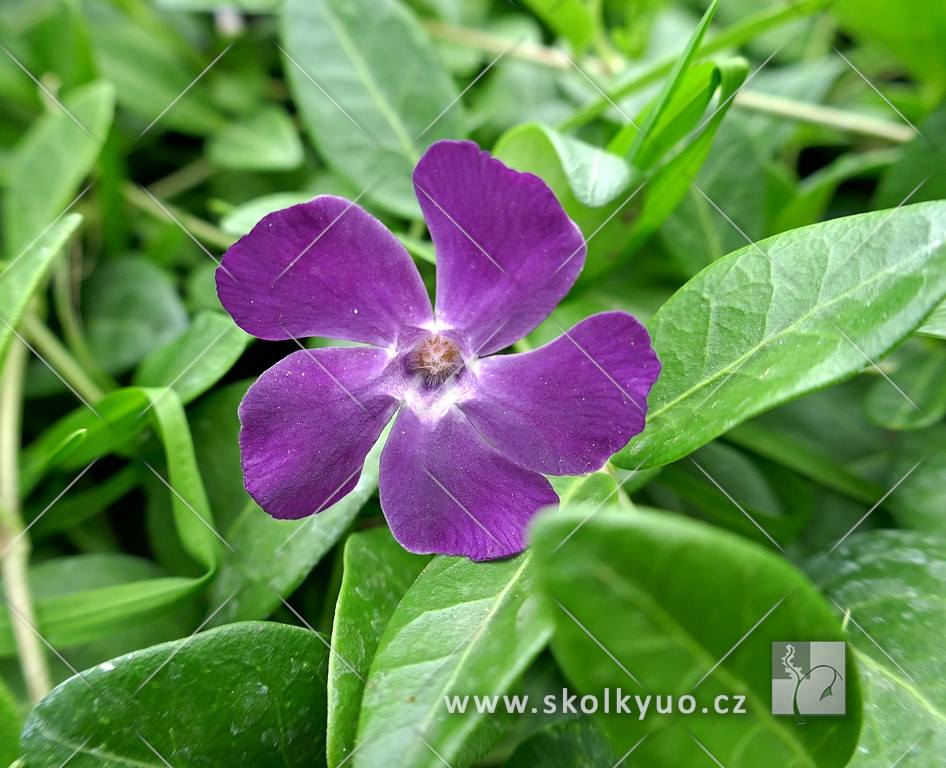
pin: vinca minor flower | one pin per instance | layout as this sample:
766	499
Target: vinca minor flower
474	432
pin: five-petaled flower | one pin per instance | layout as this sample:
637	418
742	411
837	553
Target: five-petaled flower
474	432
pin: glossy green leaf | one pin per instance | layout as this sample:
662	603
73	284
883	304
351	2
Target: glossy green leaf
462	628
197	359
377	572
51	161
66	576
254	695
917	398
778	312
893	583
131	308
670	598
22	276
370	109
266	141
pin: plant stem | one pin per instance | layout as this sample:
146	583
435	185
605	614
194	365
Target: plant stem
60	358
14	541
830	117
67	313
728	38
198	228
803	111
183	179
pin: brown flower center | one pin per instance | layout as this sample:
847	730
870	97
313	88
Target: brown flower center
436	359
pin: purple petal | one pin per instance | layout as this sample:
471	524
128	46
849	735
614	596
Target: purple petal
444	490
307	425
565	408
322	268
506	250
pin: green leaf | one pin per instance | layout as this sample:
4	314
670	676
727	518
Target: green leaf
371	109
254	695
573	744
20	278
670	598
377	573
83	616
67	576
588	175
50	162
571	19
919	466
671	181
743	320
912	30
153	70
241	219
463	628
919	371
935	324
666	101
266	141
584	179
920	169
9	726
270	558
197	359
893	583
131	308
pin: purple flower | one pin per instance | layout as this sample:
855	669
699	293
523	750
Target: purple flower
474	433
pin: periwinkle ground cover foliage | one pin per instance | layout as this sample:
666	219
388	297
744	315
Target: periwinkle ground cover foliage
758	183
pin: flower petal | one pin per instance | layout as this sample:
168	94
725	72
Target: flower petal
322	268
307	425
444	490
506	250
565	408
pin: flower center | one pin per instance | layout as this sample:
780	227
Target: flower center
436	359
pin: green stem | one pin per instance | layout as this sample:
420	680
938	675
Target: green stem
183	179
14	540
830	117
803	111
728	38
200	229
60	359
68	316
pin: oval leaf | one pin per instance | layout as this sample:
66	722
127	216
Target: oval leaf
788	312
653	603
377	573
463	628
254	695
893	583
370	109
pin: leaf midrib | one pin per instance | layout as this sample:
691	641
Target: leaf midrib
721	672
658	412
364	74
